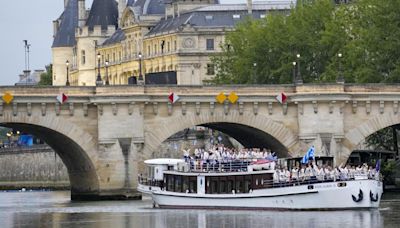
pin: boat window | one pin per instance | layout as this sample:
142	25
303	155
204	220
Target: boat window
170	183
178	184
222	186
193	184
341	184
185	185
229	186
247	186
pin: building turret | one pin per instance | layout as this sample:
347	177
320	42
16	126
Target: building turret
103	13
64	41
121	8
82	13
100	24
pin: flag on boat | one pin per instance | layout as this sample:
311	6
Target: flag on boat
173	98
309	155
62	98
281	98
378	165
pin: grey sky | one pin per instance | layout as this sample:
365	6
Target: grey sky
30	20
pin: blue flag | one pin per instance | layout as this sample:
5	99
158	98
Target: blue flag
309	155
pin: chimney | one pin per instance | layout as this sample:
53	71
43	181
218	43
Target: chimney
249	6
66	3
121	8
81	13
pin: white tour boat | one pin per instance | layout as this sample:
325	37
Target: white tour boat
174	183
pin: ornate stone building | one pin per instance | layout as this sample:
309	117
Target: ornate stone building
163	41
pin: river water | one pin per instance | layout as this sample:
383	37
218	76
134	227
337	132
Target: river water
54	209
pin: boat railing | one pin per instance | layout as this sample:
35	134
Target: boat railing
314	180
236	165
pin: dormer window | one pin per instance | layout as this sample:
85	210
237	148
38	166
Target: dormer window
236	16
209	17
262	15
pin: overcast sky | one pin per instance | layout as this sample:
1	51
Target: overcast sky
30	20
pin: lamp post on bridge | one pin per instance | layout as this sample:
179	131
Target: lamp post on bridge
140	79
99	82
294	71
107	79
299	80
340	78
67	65
253	80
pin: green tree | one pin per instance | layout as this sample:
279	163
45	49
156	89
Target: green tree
47	77
366	32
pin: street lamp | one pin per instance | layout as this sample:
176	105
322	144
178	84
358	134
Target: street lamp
67	65
107	81
98	80
294	71
254	73
340	78
299	80
140	79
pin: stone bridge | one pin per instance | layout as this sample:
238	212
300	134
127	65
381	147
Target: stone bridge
103	134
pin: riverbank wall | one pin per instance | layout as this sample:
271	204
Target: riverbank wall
37	167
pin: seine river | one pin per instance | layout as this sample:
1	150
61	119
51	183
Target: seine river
54	209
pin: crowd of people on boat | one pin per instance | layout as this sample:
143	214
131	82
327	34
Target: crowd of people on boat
310	172
319	173
220	153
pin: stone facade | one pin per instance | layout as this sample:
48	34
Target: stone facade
152	38
103	134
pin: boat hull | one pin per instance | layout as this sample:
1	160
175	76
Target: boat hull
319	196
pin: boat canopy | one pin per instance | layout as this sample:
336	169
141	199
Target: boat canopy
163	161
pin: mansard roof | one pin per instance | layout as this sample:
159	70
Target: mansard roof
214	16
130	2
148	7
104	13
65	36
117	37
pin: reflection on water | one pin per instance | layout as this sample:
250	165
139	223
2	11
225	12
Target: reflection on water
54	209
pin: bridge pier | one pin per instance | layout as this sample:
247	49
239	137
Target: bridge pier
117	172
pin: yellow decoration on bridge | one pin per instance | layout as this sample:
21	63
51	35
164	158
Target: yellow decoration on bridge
221	98
233	97
8	97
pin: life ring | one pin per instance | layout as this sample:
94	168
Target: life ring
372	198
360	197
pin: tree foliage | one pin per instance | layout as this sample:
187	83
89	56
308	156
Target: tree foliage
366	32
47	77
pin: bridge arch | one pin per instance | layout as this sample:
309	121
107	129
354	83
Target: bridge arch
356	135
74	146
282	139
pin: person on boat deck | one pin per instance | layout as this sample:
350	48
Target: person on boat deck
287	175
186	154
308	172
344	172
302	173
295	174
276	178
329	173
320	173
282	175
